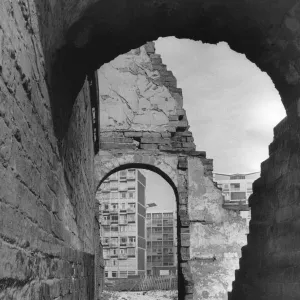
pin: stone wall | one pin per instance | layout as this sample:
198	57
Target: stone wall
269	267
46	196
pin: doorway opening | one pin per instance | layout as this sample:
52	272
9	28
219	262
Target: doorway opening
138	231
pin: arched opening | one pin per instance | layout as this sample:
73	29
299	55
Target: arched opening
137	92
47	197
139	229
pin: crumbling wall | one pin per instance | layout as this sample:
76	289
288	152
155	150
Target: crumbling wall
140	104
269	266
139	127
46	197
217	236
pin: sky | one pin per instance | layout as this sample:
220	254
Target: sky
231	105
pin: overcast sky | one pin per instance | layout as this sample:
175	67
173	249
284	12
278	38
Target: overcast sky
231	107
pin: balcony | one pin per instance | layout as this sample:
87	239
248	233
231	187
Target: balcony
122	256
131	210
113	245
122	222
131	244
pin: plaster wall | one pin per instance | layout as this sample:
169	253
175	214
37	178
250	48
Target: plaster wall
217	236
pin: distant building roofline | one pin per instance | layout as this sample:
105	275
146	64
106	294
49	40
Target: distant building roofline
236	173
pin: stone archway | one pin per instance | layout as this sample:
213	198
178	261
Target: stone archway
166	165
48	49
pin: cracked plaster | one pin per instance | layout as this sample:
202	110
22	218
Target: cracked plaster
131	95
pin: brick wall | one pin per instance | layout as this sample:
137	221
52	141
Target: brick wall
46	196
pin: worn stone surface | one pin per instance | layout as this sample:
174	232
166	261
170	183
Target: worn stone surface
46	50
46	196
217	236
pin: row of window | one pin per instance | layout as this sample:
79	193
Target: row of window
123	228
119	252
119	274
117	240
160	244
117	195
118	206
115	218
160	222
160	215
160	229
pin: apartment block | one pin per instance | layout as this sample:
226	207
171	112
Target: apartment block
236	189
161	243
122	218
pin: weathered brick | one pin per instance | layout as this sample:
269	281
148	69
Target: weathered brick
149	146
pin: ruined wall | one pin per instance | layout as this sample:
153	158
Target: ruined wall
139	128
217	236
46	197
269	267
140	104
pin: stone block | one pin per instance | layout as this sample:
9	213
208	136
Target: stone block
147	134
149	146
109	146
155	140
133	133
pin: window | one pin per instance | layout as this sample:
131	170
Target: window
105	240
131	218
113	274
131	195
131	239
123	251
114	263
114	186
114	228
114	218
123	174
106	228
123	218
233	177
131	227
132	205
114	195
106	206
114	206
131	251
123	228
123	240
123	195
123	206
106	274
234	186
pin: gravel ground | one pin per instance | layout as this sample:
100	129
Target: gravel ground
150	295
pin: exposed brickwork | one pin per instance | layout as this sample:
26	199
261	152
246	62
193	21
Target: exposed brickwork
46	233
38	213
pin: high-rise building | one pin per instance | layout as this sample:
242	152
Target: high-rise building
161	243
122	219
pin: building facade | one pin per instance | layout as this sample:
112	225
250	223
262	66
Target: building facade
161	243
122	223
236	189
